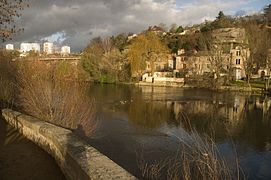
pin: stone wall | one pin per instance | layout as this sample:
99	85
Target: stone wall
76	158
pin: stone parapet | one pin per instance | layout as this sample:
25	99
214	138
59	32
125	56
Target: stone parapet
77	159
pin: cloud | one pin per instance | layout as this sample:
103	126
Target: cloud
79	21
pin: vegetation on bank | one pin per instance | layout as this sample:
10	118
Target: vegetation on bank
125	57
46	92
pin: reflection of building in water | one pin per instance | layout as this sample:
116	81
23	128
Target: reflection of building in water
177	108
215	109
264	104
233	113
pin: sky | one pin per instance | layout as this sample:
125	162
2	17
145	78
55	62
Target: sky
76	22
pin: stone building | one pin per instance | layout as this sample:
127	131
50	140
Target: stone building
231	50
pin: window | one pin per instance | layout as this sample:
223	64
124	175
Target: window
184	66
238	53
238	61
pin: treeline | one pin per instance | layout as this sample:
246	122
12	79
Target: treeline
125	57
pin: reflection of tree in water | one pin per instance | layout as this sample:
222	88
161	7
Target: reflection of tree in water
148	114
111	94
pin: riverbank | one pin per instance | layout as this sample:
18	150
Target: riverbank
18	157
221	88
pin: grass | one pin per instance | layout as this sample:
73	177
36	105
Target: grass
254	84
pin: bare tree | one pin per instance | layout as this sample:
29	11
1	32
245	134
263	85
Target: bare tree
216	57
258	39
9	12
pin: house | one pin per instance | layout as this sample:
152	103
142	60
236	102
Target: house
161	64
239	55
195	64
200	63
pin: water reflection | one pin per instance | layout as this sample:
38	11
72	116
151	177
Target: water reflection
136	114
218	114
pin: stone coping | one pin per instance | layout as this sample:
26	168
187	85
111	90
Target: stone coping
77	159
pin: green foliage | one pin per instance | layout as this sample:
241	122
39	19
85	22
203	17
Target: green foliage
194	42
222	21
65	70
120	41
90	63
180	29
104	61
207	27
146	47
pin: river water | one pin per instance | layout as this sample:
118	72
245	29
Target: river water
148	120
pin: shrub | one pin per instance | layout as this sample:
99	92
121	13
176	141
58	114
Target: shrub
8	87
65	103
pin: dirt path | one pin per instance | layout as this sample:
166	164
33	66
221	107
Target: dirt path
20	159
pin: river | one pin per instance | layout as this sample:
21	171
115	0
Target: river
148	120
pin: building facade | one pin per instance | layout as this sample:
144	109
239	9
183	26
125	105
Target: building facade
48	48
26	47
65	50
9	47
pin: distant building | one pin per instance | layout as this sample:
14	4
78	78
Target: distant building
65	50
9	47
35	47
57	49
48	48
26	47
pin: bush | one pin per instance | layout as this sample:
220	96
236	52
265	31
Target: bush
43	95
8	80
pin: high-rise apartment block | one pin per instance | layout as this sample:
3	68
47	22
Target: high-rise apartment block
48	48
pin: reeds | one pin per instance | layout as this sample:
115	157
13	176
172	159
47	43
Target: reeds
197	158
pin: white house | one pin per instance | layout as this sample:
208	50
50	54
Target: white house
9	47
48	48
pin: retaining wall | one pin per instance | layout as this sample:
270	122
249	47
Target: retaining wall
77	159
